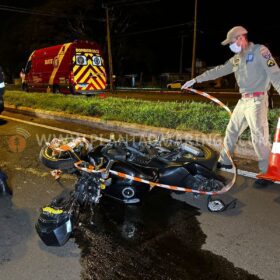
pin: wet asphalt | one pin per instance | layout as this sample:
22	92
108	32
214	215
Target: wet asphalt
161	239
168	236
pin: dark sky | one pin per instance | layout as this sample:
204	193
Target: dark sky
150	40
260	19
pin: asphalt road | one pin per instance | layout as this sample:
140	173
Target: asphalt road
165	238
22	255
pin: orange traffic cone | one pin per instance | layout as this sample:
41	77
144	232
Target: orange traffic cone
273	170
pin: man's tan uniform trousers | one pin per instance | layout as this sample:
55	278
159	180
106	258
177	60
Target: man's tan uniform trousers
255	70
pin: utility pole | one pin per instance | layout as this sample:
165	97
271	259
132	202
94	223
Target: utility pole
194	41
109	49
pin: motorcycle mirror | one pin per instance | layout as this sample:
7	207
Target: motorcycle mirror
215	205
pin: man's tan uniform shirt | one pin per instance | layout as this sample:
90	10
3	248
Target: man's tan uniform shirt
254	69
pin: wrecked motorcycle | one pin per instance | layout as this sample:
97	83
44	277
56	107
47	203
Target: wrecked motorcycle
125	171
175	163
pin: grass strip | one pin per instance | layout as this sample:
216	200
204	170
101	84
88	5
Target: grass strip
203	117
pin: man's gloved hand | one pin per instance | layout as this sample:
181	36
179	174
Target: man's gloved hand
188	84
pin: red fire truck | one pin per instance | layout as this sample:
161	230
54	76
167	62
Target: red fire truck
76	68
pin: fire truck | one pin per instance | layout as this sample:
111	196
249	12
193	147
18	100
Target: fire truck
76	67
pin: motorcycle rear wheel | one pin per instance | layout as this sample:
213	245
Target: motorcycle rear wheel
207	158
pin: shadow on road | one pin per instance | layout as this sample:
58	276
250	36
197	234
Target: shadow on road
160	239
272	188
15	231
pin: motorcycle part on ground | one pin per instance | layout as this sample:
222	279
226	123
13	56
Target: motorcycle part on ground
217	205
62	162
4	188
63	153
54	226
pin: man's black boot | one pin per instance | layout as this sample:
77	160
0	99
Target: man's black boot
263	182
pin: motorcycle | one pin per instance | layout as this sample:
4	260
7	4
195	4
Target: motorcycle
123	171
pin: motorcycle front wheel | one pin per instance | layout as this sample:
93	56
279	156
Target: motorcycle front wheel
64	161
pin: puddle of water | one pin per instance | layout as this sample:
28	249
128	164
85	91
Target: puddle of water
160	239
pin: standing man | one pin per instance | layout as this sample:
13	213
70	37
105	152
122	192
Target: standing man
255	70
2	89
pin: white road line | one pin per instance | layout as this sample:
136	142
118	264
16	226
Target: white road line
57	129
241	172
244	173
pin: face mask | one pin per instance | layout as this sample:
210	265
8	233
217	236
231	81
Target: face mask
235	48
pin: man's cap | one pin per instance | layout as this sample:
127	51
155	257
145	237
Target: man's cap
234	33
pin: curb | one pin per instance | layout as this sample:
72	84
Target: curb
244	149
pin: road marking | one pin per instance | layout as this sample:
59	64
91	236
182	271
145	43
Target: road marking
57	129
244	173
241	172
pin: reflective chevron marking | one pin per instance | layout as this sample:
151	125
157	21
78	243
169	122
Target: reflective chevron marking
89	77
